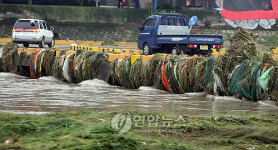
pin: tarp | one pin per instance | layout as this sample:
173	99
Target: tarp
249	9
249	13
263	80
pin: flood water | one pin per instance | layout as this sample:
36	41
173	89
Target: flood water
20	94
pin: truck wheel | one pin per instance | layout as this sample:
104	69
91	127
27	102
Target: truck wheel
51	44
175	50
147	49
26	44
41	45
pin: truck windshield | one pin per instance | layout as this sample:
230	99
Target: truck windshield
149	23
173	21
26	24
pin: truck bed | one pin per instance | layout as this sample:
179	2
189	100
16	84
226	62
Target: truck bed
189	39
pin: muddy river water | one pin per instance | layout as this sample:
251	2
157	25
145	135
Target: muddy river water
20	94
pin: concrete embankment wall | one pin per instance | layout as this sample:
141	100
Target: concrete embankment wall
90	14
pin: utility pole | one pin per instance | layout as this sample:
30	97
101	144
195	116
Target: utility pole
81	2
96	3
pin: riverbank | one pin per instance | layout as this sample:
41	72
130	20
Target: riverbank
93	130
111	24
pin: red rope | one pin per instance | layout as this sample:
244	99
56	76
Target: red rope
164	78
31	69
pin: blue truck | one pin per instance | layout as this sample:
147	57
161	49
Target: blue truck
170	33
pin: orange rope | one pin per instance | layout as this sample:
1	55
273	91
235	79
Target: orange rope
164	78
31	69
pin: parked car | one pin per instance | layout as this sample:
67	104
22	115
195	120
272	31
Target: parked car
33	31
170	33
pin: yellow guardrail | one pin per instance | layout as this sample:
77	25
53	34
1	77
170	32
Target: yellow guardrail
106	50
125	44
94	43
5	40
63	42
69	42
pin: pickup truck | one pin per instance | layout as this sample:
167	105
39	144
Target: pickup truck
170	33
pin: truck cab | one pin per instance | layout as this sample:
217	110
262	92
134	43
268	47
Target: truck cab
170	33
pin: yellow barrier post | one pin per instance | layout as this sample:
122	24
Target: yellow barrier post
125	51
105	50
223	50
19	50
117	51
69	53
136	52
122	56
95	49
112	56
101	50
275	51
110	50
215	54
30	51
145	58
58	52
22	50
134	58
214	50
275	57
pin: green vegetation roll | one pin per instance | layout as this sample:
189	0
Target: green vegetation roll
58	66
135	77
149	68
114	78
124	69
171	72
48	62
8	52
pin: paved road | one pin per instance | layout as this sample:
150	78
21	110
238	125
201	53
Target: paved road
67	46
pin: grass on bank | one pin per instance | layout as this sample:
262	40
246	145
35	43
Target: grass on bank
92	130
